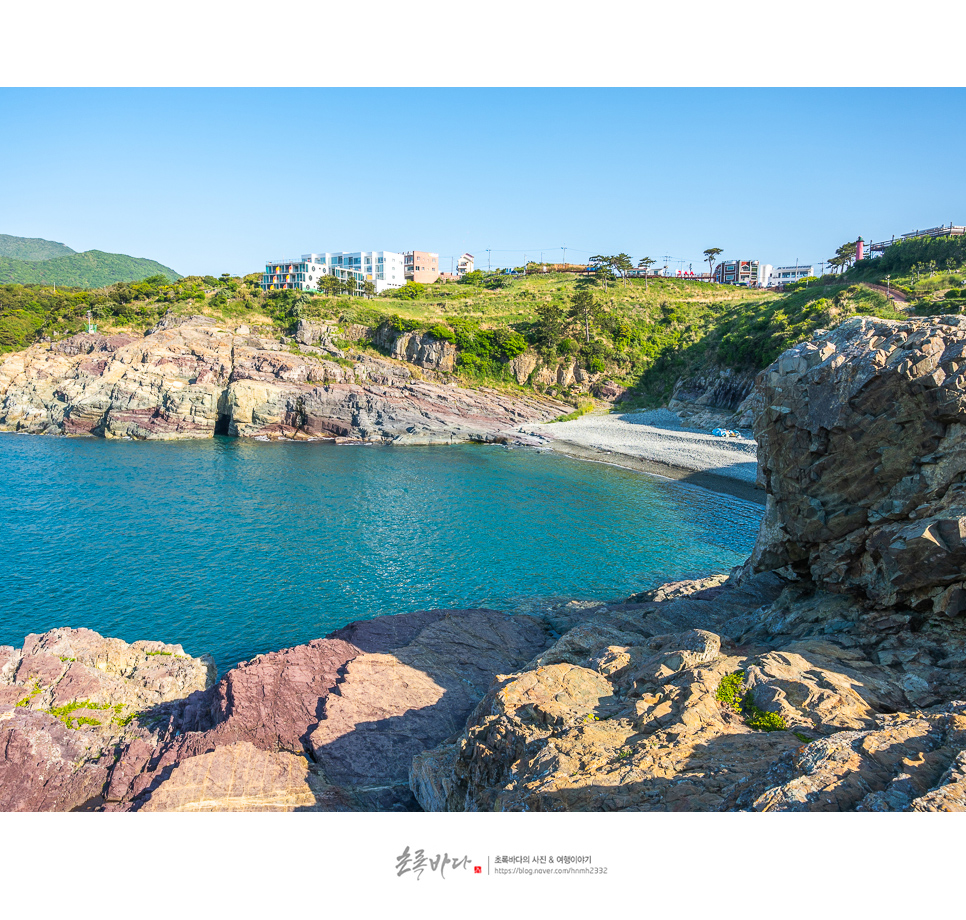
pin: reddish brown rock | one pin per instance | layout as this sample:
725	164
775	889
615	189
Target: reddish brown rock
47	767
351	713
390	704
71	701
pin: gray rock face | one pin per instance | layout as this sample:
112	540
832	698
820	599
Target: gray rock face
522	366
626	712
862	448
722	389
190	378
717	398
421	349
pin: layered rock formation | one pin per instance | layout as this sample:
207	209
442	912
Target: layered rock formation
192	378
628	712
94	723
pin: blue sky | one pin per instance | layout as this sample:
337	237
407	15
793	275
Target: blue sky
214	180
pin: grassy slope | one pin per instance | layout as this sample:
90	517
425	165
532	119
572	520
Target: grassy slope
92	269
643	338
649	335
31	250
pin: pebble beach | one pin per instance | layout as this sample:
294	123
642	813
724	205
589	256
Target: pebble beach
656	442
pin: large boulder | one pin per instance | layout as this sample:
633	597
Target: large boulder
862	450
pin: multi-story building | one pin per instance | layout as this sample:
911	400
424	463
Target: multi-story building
786	274
745	273
384	269
464	265
421	267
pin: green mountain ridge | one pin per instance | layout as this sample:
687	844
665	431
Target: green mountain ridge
32	249
91	269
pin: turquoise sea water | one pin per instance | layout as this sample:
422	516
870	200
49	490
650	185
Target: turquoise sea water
238	547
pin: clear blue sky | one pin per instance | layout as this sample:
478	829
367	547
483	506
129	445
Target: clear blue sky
214	180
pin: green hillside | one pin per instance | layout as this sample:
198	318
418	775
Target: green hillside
643	335
92	269
31	250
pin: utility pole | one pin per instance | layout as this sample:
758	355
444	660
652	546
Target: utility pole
564	248
524	265
488	260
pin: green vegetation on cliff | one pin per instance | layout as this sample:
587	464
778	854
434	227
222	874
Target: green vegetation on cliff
733	694
915	257
644	336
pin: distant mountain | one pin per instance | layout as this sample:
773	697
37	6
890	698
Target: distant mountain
35	261
31	250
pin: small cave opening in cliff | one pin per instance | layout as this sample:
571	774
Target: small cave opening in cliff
222	424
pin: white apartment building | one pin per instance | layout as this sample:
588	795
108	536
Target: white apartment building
384	269
464	265
786	274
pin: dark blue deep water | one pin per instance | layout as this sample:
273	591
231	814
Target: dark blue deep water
238	547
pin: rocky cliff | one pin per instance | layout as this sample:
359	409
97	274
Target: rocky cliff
192	378
862	434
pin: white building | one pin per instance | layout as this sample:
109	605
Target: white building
464	265
786	274
384	269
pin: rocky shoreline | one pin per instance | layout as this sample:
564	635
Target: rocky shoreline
192	377
828	673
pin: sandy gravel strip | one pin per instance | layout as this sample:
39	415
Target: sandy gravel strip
656	443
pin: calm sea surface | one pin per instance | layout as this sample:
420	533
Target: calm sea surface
238	547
